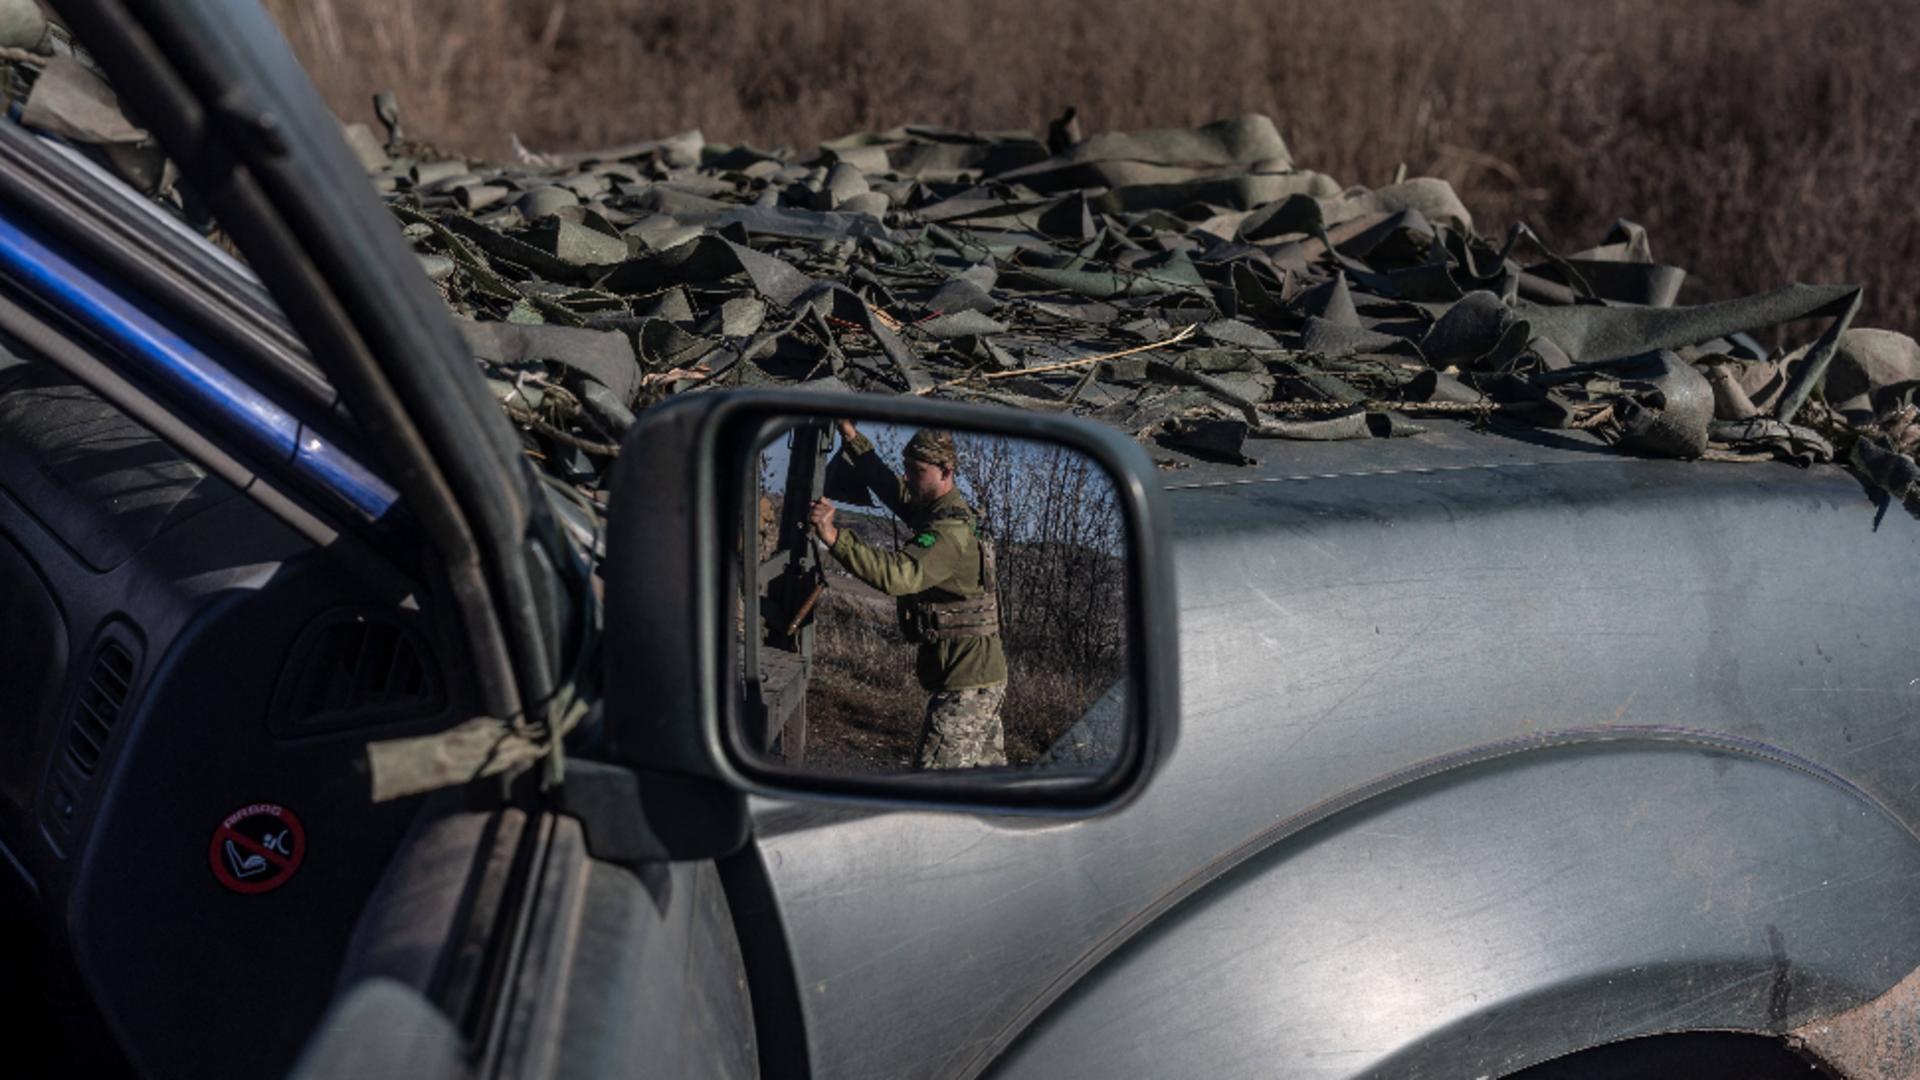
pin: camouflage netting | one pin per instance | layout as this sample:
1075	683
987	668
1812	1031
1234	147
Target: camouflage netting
1193	287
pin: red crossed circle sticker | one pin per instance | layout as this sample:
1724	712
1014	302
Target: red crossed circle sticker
257	848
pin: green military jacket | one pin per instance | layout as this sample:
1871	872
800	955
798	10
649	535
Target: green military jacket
940	562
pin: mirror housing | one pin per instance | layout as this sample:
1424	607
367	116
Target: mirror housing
670	573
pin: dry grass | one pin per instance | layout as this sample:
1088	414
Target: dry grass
1761	141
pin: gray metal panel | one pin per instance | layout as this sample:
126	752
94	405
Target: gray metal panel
383	1027
1505	913
1344	618
629	973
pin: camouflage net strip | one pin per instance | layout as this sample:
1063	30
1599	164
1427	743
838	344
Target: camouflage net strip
1194	287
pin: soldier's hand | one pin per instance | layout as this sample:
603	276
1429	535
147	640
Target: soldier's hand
847	430
821	518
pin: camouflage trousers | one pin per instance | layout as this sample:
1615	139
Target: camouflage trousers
962	729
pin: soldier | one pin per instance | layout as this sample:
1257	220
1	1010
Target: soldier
943	581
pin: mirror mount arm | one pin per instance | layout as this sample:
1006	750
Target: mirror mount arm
631	817
660	624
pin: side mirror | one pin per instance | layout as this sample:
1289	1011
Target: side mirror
992	628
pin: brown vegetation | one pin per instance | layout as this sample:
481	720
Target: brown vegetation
1761	141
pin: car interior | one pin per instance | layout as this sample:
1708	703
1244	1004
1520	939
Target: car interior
178	653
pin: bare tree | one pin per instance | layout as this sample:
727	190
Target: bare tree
1060	549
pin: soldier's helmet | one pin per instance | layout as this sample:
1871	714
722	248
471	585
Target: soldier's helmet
933	446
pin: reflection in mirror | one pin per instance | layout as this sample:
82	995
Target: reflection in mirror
918	600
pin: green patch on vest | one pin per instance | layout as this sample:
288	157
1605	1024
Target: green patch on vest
925	539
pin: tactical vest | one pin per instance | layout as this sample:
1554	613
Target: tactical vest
924	620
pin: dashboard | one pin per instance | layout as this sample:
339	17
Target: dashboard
188	676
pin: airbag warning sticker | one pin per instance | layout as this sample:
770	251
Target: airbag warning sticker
257	848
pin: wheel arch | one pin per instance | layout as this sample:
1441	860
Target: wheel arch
1502	909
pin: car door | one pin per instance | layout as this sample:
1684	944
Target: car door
498	941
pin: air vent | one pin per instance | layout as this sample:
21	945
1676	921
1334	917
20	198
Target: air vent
97	707
351	669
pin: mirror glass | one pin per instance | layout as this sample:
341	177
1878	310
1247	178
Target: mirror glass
921	600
